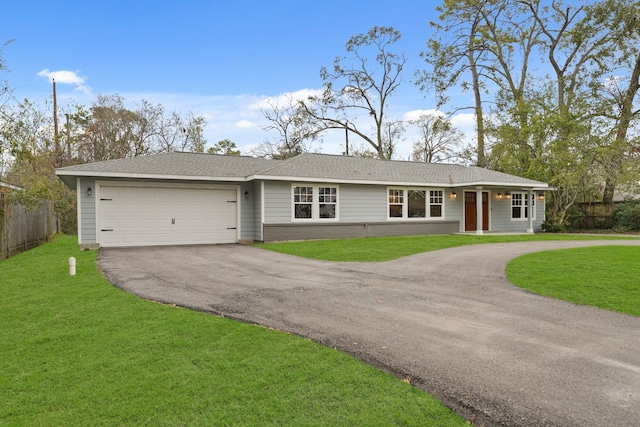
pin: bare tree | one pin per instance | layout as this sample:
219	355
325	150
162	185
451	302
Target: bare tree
357	86
291	129
439	139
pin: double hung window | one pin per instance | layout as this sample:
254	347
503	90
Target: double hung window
520	205
313	202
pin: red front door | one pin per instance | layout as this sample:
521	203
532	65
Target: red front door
470	211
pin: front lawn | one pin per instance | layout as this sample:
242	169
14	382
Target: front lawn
388	248
600	276
76	351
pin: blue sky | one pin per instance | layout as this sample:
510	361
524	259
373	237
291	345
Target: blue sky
219	59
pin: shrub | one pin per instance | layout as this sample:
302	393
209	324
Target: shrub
626	216
551	227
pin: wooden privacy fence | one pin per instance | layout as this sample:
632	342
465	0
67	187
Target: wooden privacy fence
594	215
21	230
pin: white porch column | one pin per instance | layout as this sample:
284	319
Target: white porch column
479	210
530	210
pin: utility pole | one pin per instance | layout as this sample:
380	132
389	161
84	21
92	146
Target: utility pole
56	137
68	138
346	138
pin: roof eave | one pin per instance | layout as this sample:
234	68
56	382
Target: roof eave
129	175
534	186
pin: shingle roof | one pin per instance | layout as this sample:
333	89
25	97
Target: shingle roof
344	168
181	164
305	167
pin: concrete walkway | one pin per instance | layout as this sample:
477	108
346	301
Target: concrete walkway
447	320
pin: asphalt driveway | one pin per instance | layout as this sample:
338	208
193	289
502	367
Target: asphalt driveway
447	320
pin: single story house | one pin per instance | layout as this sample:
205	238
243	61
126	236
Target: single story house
187	198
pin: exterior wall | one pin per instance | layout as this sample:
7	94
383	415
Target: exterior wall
343	230
250	212
454	206
362	213
87	213
362	203
277	202
501	214
247	207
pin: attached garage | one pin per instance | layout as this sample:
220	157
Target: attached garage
131	214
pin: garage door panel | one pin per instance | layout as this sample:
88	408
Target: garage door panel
166	216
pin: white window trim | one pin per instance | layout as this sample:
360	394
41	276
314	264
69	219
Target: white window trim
405	204
531	206
315	204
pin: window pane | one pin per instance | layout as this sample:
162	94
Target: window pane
302	200
516	212
303	210
395	211
396	196
327	195
435	211
417	203
327	211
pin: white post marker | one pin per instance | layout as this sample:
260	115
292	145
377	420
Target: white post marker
72	266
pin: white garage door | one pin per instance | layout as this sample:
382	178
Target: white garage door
146	216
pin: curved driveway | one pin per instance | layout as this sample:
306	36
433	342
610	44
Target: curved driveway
449	321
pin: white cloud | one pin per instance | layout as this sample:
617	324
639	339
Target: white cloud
415	114
283	100
245	124
66	77
464	120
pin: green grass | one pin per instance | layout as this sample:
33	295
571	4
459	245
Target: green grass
76	351
601	276
388	248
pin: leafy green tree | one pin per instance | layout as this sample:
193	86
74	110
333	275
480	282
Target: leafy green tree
225	147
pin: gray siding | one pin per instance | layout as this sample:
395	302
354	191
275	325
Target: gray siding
247	208
277	202
250	211
501	215
362	203
454	207
87	212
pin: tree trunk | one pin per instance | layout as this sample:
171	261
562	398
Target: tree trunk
620	143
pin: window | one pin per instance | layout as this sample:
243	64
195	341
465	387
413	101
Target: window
396	202
415	203
306	206
302	202
435	203
327	199
520	206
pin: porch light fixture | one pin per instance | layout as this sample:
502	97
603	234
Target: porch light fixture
246	194
541	196
454	195
89	191
499	195
507	195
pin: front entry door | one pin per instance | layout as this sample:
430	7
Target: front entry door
470	212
